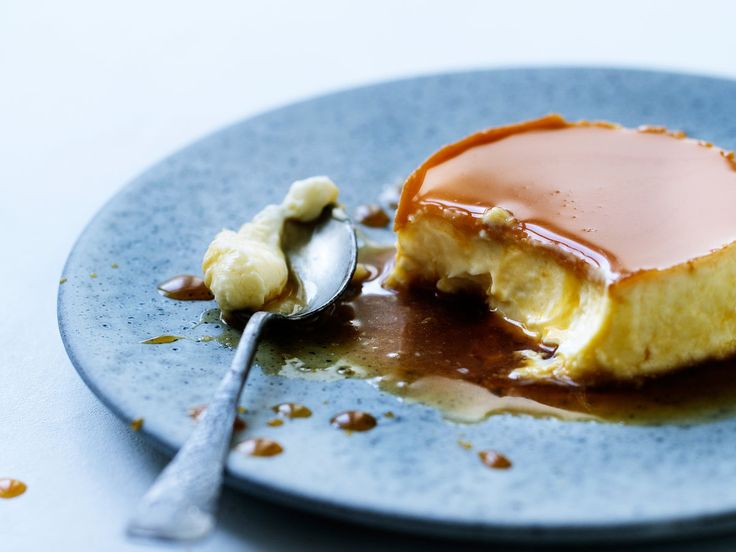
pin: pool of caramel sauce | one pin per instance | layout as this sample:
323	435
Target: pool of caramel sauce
404	337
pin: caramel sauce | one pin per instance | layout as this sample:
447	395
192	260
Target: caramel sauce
10	488
354	420
620	200
292	410
417	343
185	287
372	216
260	447
494	459
161	339
239	424
137	424
275	422
196	413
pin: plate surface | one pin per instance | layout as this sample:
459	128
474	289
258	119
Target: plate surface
570	481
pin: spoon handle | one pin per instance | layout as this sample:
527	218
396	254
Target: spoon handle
182	502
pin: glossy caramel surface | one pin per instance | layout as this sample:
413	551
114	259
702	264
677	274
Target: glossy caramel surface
622	200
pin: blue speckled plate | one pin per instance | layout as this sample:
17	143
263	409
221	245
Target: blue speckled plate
570	481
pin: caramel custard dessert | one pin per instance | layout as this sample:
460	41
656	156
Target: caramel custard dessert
534	263
615	247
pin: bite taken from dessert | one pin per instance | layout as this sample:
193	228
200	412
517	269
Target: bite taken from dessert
616	247
571	269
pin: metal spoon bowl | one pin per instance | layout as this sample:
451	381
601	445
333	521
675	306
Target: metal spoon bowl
181	505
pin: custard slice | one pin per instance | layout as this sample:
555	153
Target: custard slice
616	247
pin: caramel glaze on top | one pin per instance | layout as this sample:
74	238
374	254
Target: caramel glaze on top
621	200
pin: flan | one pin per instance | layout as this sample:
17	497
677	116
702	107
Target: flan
615	247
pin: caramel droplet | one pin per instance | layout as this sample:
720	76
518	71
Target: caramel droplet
276	422
10	488
136	424
196	411
260	447
292	410
158	340
372	215
494	459
185	287
354	420
346	371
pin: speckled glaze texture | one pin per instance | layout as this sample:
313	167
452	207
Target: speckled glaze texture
570	481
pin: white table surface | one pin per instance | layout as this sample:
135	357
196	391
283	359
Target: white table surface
91	93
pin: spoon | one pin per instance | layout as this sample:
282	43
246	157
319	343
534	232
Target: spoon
181	505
